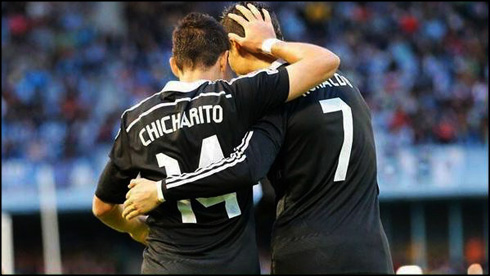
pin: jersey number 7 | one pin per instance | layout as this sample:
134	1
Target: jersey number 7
210	152
333	105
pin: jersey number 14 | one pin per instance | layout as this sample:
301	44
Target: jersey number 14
210	152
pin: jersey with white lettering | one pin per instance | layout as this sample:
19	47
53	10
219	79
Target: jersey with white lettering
185	127
325	178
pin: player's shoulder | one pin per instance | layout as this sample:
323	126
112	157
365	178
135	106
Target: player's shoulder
248	77
191	91
180	90
173	93
134	111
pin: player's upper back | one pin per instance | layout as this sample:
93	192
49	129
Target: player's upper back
327	165
189	126
178	118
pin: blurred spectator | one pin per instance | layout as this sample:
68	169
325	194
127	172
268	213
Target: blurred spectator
60	82
70	70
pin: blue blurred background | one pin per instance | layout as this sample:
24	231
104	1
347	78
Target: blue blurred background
69	70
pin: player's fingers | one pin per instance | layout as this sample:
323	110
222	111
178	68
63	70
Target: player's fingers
240	20
130	210
127	210
255	11
267	16
136	180
236	38
132	215
128	194
246	12
132	184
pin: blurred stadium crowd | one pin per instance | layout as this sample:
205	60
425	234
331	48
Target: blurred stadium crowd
69	70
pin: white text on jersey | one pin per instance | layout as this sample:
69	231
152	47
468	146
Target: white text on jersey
203	114
336	80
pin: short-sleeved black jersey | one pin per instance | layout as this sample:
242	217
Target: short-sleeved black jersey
325	179
327	163
185	127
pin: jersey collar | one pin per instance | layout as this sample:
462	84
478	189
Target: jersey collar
276	64
182	86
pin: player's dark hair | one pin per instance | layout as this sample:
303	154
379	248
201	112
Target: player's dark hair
198	40
231	26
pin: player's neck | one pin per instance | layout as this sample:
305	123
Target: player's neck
258	64
199	74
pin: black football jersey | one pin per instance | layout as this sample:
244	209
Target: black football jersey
325	178
185	127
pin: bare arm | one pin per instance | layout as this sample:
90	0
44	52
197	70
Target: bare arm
314	65
111	215
309	66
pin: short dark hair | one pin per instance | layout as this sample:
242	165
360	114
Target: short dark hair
198	40
231	26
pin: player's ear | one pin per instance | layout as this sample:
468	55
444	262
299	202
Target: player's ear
239	50
223	61
236	51
234	47
173	66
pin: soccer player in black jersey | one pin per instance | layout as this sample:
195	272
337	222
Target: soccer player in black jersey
324	177
190	124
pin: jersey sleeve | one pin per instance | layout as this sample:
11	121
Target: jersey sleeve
248	164
260	92
114	179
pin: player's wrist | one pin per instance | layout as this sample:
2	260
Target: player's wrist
267	45
160	196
